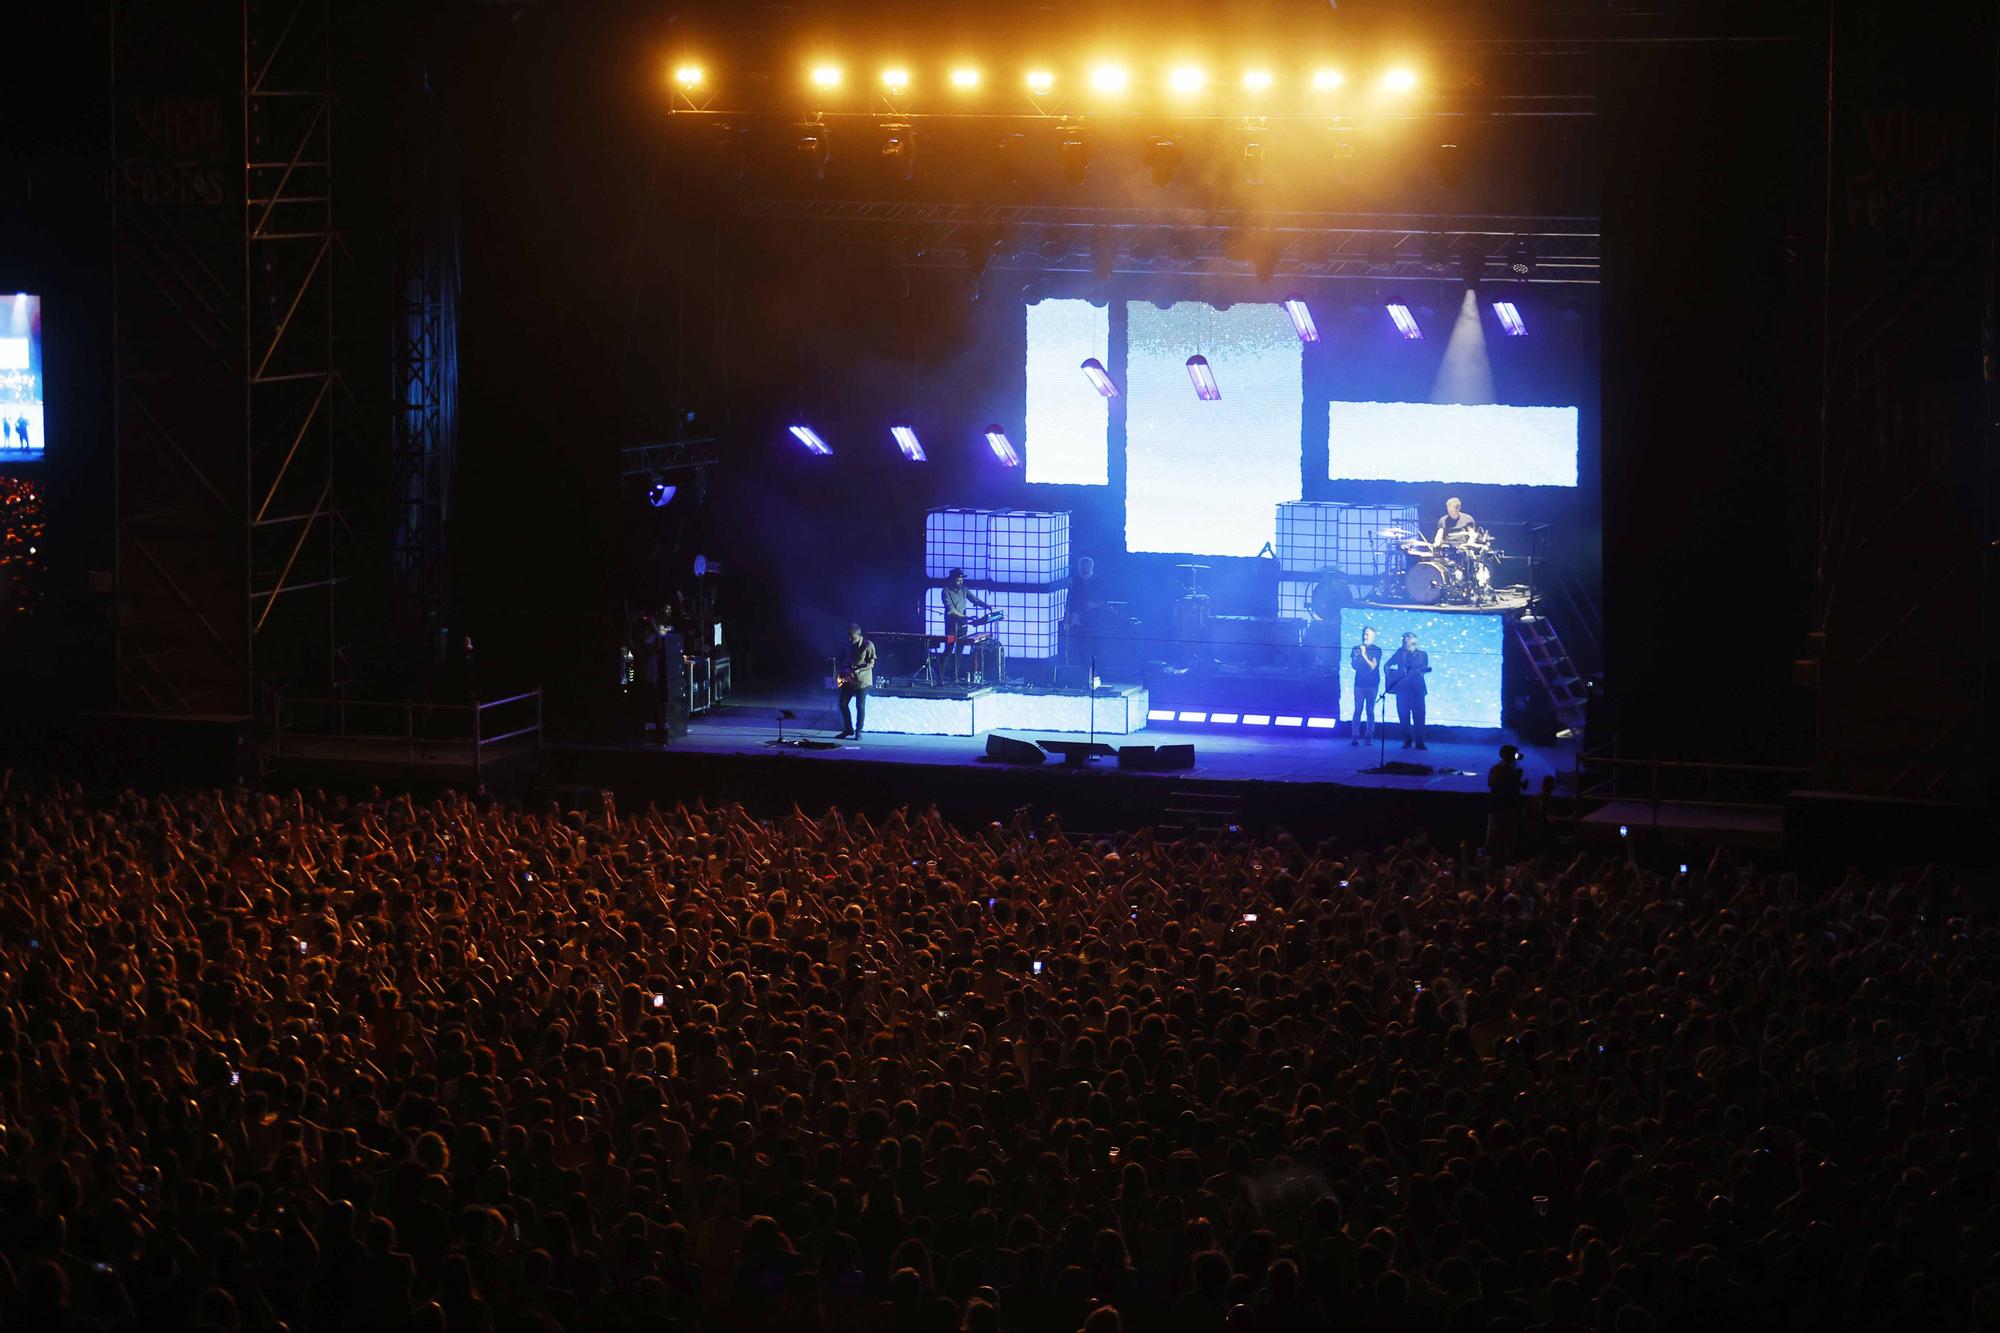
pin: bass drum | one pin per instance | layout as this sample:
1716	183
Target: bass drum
1425	582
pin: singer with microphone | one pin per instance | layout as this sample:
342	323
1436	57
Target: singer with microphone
1366	663
1406	672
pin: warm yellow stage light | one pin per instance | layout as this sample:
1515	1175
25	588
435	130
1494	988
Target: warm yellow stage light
688	76
1257	80
826	76
1040	81
1399	80
965	77
896	79
1109	78
1186	79
1326	80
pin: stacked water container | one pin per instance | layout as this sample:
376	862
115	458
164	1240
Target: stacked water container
1017	560
1315	536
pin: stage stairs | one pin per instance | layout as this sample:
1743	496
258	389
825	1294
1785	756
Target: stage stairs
1553	667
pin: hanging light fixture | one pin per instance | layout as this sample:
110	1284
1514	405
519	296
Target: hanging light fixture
1002	447
1302	319
1205	387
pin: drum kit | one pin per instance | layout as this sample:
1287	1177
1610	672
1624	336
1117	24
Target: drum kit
1459	571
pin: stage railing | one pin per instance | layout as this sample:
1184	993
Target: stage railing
1604	776
481	726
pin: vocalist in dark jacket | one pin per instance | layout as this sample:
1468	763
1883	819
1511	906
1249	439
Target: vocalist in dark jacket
1407	670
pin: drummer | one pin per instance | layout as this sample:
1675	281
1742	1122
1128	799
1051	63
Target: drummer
1456	527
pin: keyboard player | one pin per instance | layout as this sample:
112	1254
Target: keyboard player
958	603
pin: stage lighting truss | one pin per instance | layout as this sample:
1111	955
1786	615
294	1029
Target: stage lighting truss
1102	241
653	462
958	85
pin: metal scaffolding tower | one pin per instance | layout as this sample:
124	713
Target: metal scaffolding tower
231	417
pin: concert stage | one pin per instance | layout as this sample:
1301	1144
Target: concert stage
1310	781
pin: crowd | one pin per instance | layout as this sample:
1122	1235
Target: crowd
289	1062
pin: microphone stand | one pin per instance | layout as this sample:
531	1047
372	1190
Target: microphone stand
1381	727
1090	683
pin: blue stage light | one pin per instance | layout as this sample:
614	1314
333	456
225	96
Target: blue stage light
1302	319
906	440
1100	378
809	437
660	494
1002	447
1406	322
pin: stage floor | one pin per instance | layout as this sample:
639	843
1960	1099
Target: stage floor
747	723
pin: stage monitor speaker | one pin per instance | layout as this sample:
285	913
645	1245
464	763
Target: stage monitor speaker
1072	677
1010	751
1078	754
1155	758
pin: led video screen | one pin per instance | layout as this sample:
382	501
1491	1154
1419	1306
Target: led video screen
1467	650
23	432
1067	419
1451	443
1205	478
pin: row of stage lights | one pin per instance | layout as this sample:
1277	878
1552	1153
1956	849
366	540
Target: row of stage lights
1109	80
1200	373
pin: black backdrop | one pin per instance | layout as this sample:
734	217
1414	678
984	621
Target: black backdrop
1708	489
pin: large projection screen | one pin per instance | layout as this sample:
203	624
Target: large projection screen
1205	478
1068	422
1458	445
23	431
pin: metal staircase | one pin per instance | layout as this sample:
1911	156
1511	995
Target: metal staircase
1559	677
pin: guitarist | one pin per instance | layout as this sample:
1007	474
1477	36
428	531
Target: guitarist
857	673
958	601
1407	670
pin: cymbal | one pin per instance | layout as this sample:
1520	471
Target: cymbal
1394	534
1190	566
